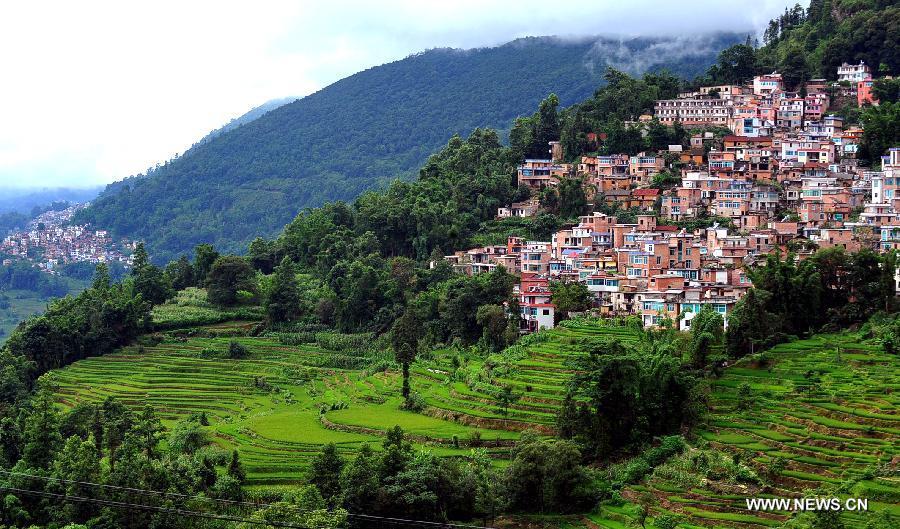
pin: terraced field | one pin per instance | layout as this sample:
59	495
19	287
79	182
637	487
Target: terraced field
280	404
821	416
813	415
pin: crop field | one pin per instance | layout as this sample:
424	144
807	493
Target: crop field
817	415
809	414
281	403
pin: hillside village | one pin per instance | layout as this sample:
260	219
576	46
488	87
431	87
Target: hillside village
51	241
783	178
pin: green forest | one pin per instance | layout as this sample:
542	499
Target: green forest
357	134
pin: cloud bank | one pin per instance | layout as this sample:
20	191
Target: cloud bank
96	91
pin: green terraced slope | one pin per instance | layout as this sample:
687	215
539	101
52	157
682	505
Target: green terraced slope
825	408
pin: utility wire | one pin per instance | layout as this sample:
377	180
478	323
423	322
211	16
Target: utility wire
180	496
169	510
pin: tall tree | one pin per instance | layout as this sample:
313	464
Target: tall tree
228	276
40	437
405	340
325	473
283	301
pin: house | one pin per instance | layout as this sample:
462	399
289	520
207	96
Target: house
768	84
854	73
705	111
537	312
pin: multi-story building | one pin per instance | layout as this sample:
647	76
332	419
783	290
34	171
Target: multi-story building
854	73
708	112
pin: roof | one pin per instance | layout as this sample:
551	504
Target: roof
645	192
747	139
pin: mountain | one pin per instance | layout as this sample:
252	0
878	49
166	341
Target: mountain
247	117
25	200
363	131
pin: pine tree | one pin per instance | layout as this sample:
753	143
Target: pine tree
405	340
236	469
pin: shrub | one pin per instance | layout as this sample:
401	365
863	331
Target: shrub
237	350
415	402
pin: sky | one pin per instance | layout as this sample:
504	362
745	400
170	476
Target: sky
92	92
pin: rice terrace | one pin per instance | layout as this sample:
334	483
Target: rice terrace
815	414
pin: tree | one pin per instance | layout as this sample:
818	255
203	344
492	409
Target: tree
180	274
629	395
262	254
735	65
794	68
236	469
547	476
405	340
101	281
148	428
706	332
494	324
506	398
881	130
396	453
325	473
359	481
204	257
78	463
228	276
488	485
149	280
40	436
744	396
572	199
117	422
645	507
570	296
750	325
187	437
887	286
283	301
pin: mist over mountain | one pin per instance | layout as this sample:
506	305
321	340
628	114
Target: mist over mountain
248	179
23	200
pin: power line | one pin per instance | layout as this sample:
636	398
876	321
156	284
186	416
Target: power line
421	523
155	508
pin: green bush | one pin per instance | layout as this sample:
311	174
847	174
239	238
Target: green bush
237	350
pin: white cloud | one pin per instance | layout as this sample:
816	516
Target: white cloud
91	92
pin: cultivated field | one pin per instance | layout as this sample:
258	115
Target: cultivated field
818	415
813	413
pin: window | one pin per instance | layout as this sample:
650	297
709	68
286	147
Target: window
546	312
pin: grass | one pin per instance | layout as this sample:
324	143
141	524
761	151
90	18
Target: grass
831	418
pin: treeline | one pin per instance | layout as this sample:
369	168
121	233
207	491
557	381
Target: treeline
23	275
105	452
814	42
543	476
830	290
579	127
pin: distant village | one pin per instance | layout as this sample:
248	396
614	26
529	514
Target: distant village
786	177
50	242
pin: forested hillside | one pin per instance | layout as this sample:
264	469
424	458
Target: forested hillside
814	42
362	132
